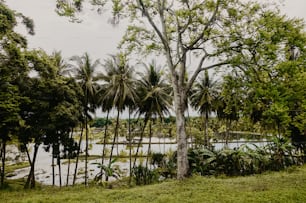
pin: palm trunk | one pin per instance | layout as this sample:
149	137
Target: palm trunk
86	150
205	129
149	147
1	184
77	157
69	160
117	141
113	144
104	144
53	166
130	149
68	171
59	169
141	137
3	154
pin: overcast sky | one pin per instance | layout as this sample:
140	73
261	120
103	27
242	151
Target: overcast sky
94	35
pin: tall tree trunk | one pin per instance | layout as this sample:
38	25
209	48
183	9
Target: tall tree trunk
31	177
130	149
77	157
190	129
140	141
86	150
150	139
69	160
182	147
205	129
1	165
3	155
113	144
59	169
104	144
53	166
68	171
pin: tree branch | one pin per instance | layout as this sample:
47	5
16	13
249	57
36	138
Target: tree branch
200	69
212	18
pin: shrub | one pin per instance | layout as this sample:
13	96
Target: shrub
244	160
144	176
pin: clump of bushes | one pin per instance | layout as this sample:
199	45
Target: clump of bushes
245	160
162	167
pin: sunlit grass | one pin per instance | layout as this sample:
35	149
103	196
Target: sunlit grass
285	186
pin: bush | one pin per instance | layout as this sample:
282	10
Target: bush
144	176
279	154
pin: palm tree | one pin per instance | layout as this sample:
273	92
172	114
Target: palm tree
118	87
106	106
84	72
154	99
60	63
229	103
203	98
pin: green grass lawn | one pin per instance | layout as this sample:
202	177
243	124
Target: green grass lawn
285	186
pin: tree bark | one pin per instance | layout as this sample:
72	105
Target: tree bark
182	161
150	139
1	166
113	144
53	165
69	160
77	157
31	177
68	171
140	140
86	150
180	107
130	149
104	144
59	170
206	129
3	154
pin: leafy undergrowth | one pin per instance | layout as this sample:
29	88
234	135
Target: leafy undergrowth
285	186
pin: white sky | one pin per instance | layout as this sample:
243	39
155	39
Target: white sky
94	35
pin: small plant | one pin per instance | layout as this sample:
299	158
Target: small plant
157	159
144	176
108	170
167	166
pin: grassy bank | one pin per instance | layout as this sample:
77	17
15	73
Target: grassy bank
285	186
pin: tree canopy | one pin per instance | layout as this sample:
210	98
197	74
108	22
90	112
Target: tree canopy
243	35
